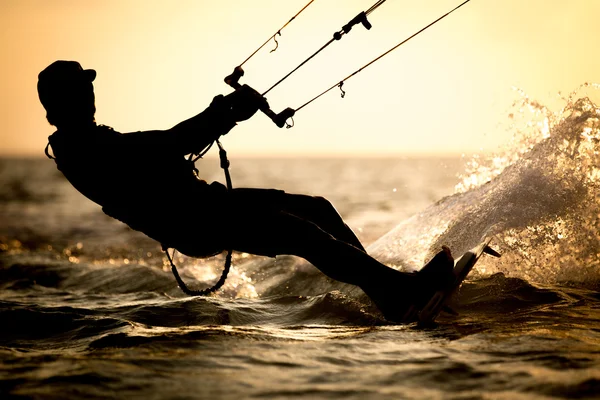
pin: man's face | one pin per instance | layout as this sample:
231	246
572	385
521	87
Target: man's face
80	92
67	93
75	100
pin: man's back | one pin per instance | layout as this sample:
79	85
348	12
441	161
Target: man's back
128	175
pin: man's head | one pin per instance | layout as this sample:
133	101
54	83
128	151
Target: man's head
65	90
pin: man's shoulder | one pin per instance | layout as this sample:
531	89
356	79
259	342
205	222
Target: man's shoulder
85	142
105	131
85	130
106	128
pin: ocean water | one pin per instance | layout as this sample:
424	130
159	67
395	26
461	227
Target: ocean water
89	309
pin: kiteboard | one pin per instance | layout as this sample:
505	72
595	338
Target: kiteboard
439	301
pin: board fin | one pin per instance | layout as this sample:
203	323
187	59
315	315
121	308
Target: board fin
491	252
449	311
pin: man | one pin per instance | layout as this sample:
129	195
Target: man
129	175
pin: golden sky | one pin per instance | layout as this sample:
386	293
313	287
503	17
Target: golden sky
160	62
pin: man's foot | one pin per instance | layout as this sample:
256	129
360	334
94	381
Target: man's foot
438	273
400	291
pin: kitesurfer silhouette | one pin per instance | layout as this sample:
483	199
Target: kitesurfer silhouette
130	176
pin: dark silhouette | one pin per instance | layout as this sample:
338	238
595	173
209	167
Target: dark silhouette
131	176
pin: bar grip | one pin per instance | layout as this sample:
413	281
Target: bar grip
280	118
233	80
359	19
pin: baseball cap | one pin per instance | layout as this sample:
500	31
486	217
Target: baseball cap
66	71
59	75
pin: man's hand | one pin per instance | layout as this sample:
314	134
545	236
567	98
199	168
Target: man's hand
242	104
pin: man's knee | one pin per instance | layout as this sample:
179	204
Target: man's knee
322	204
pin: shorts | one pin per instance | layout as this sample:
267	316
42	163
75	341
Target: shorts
206	224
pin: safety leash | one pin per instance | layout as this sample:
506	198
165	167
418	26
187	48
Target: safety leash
204	292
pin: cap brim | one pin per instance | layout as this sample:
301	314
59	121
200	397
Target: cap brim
90	74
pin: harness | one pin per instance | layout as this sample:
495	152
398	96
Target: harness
227	266
191	292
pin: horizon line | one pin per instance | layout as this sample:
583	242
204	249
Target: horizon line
40	154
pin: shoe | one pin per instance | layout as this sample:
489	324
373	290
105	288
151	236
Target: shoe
436	275
402	295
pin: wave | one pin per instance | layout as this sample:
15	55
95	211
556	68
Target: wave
75	316
539	198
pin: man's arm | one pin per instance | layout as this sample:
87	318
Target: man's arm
194	134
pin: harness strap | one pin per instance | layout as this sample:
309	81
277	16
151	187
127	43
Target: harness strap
224	164
48	153
204	292
191	292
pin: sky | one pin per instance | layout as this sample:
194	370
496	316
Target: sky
447	91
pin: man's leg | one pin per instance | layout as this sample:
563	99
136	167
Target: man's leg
315	209
320	211
251	221
391	290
